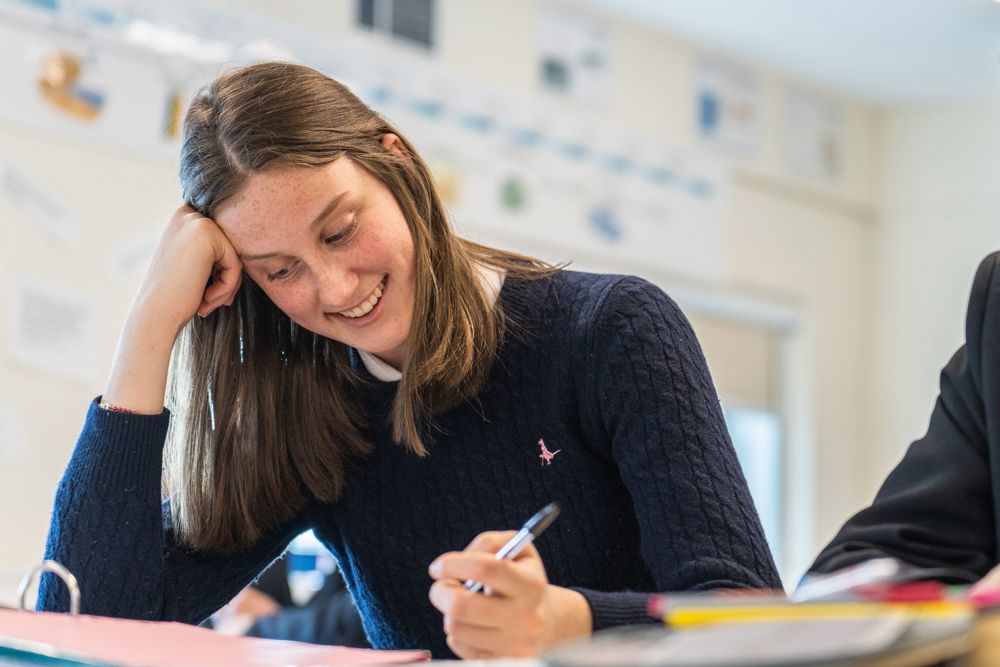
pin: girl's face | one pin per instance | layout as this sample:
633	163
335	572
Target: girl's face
331	248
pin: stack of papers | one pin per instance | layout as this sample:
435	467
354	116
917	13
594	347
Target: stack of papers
894	640
752	629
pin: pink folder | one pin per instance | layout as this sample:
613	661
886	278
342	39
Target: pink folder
122	643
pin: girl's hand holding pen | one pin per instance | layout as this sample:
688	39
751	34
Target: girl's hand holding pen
521	616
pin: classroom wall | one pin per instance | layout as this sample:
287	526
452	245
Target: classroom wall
939	219
803	245
116	196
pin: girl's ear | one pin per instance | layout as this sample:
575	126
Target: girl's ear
393	143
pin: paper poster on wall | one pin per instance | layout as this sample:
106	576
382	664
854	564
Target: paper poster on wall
54	330
11	435
63	86
726	106
173	113
574	55
105	97
39	204
668	214
813	136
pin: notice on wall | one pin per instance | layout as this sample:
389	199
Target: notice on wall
727	106
112	98
37	202
54	330
814	136
574	55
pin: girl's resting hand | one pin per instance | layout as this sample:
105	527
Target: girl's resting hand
192	250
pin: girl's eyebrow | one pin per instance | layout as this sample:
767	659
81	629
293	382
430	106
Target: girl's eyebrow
330	208
324	214
257	258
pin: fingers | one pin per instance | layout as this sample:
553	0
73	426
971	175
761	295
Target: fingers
457	603
509	621
491	540
467	652
194	270
222	290
472	642
522	577
227	277
478	626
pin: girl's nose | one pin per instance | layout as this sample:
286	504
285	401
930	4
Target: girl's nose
337	288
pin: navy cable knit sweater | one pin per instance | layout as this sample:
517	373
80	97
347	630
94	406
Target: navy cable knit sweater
605	372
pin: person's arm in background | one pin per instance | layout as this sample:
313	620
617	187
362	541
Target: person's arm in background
265	609
330	617
242	612
937	508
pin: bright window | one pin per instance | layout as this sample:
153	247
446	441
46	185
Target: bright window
757	439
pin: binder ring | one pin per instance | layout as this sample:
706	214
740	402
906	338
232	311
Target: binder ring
60	571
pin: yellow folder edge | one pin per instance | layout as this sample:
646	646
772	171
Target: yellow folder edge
694	616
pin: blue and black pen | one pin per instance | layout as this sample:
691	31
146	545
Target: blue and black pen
531	529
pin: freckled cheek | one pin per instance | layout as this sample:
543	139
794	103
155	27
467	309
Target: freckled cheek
296	303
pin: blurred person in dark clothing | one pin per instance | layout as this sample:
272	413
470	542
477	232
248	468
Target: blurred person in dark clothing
266	609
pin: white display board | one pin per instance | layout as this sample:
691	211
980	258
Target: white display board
585	188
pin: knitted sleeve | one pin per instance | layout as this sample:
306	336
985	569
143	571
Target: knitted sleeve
649	400
111	530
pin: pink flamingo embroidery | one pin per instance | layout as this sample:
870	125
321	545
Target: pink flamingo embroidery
546	456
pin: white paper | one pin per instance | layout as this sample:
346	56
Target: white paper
133	90
727	105
54	330
574	55
813	141
40	206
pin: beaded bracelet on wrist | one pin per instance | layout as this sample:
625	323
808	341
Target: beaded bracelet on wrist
116	408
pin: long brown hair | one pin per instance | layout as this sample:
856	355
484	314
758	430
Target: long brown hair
266	412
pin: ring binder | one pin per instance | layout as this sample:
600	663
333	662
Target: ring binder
60	571
79	639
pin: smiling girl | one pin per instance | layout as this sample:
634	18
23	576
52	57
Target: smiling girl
358	369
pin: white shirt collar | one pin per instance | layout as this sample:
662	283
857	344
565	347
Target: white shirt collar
491	280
